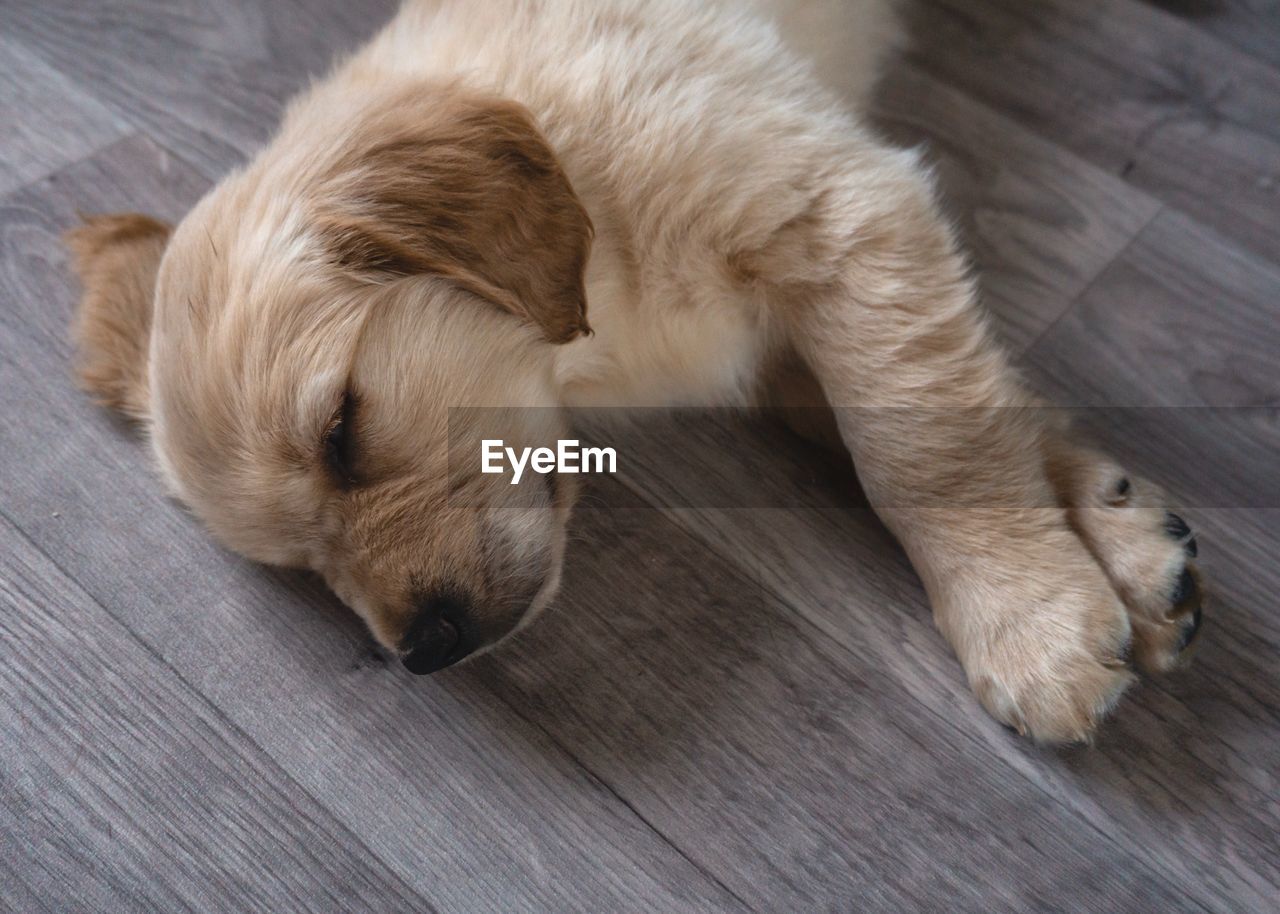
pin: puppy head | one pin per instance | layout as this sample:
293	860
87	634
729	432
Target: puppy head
320	346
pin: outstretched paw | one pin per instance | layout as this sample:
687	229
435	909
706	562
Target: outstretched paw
1044	638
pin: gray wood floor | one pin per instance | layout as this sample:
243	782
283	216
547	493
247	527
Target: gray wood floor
728	709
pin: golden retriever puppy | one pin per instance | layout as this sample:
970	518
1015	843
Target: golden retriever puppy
543	204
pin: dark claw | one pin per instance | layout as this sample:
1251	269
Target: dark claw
1186	587
1179	529
1176	527
1189	633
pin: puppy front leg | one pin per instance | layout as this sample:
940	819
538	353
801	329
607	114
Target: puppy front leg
950	450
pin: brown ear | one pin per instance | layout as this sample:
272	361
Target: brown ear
117	257
445	181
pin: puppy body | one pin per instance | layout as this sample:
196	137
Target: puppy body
638	202
692	138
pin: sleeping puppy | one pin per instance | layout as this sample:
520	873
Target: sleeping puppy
543	204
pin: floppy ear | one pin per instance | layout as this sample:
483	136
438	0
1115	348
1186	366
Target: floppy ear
450	182
117	257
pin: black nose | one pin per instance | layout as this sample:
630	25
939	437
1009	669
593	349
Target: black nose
436	638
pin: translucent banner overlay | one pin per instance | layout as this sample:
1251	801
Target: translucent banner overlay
1211	457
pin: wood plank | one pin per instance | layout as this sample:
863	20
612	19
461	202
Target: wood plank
1185	320
123	789
834	566
466	801
209	78
1039	222
1183	326
48	121
1251	25
1174	111
802	776
133	174
1182	318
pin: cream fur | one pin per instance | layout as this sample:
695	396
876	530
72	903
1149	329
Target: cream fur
742	217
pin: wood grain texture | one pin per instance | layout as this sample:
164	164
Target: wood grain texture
48	120
1147	784
210	78
1039	223
805	778
1183	326
731	708
1181	318
1138	92
123	789
1251	25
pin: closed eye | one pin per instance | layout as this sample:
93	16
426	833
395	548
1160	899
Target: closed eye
340	440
